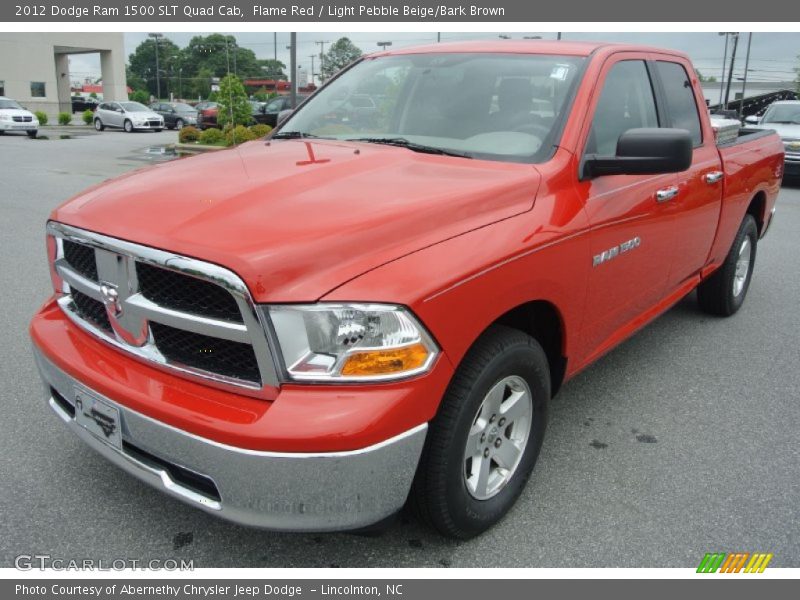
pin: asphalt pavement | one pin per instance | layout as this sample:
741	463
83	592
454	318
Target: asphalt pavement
682	441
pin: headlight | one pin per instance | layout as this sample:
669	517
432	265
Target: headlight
5	117
351	342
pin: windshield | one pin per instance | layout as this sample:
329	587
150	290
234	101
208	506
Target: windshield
9	104
183	108
134	107
492	106
782	113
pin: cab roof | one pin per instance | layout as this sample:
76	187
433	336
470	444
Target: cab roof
558	47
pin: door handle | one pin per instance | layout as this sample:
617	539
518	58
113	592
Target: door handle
713	177
667	193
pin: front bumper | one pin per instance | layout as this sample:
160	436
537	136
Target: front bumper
791	166
14	126
323	491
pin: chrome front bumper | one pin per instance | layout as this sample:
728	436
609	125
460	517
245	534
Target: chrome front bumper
281	491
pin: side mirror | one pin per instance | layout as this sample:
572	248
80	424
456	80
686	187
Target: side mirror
752	119
645	151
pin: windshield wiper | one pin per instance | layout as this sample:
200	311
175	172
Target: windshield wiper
401	142
292	135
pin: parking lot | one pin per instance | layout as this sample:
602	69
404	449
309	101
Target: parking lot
682	441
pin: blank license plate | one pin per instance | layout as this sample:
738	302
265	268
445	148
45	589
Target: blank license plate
98	417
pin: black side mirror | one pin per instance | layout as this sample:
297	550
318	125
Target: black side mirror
645	151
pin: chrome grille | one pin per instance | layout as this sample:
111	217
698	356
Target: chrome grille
176	312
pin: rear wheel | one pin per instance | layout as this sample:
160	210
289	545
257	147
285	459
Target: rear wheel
128	126
98	125
179	124
485	439
724	292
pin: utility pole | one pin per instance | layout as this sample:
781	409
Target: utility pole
558	37
438	36
746	68
312	57
293	61
155	37
724	64
321	60
730	71
275	44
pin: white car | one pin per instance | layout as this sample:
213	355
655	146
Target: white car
784	117
15	118
129	116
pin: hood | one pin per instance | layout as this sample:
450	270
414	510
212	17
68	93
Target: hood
787	131
143	114
296	219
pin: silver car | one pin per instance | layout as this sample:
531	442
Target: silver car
129	116
784	117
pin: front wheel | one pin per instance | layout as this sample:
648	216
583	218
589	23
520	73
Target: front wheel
32	134
179	124
128	127
98	125
485	439
724	292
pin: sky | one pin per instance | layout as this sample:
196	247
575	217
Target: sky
773	56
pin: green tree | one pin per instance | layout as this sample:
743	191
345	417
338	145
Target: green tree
234	108
704	79
219	54
142	63
272	69
141	96
341	53
199	85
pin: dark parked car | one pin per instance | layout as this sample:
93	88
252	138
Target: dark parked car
82	103
206	114
176	114
267	113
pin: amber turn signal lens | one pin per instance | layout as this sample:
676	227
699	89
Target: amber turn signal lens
382	362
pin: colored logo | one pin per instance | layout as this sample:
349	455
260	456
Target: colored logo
734	562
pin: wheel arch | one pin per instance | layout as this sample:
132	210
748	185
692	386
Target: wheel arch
758	208
541	320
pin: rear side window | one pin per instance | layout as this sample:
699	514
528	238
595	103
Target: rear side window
626	102
679	96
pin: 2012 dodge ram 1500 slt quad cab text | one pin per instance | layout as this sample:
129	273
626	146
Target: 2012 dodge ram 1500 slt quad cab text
374	307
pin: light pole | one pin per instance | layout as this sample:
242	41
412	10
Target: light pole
312	57
503	36
293	61
724	64
730	71
156	37
746	68
384	44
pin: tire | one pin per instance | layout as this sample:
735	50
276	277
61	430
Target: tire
447	493
179	124
724	292
158	130
98	125
170	127
128	126
32	134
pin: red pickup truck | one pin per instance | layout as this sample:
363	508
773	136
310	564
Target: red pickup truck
369	310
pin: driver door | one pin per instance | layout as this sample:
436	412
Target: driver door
631	224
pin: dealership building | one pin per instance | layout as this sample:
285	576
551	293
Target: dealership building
34	68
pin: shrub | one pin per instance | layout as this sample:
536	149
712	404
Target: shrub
64	118
237	135
42	116
188	134
140	96
211	136
87	116
260	130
